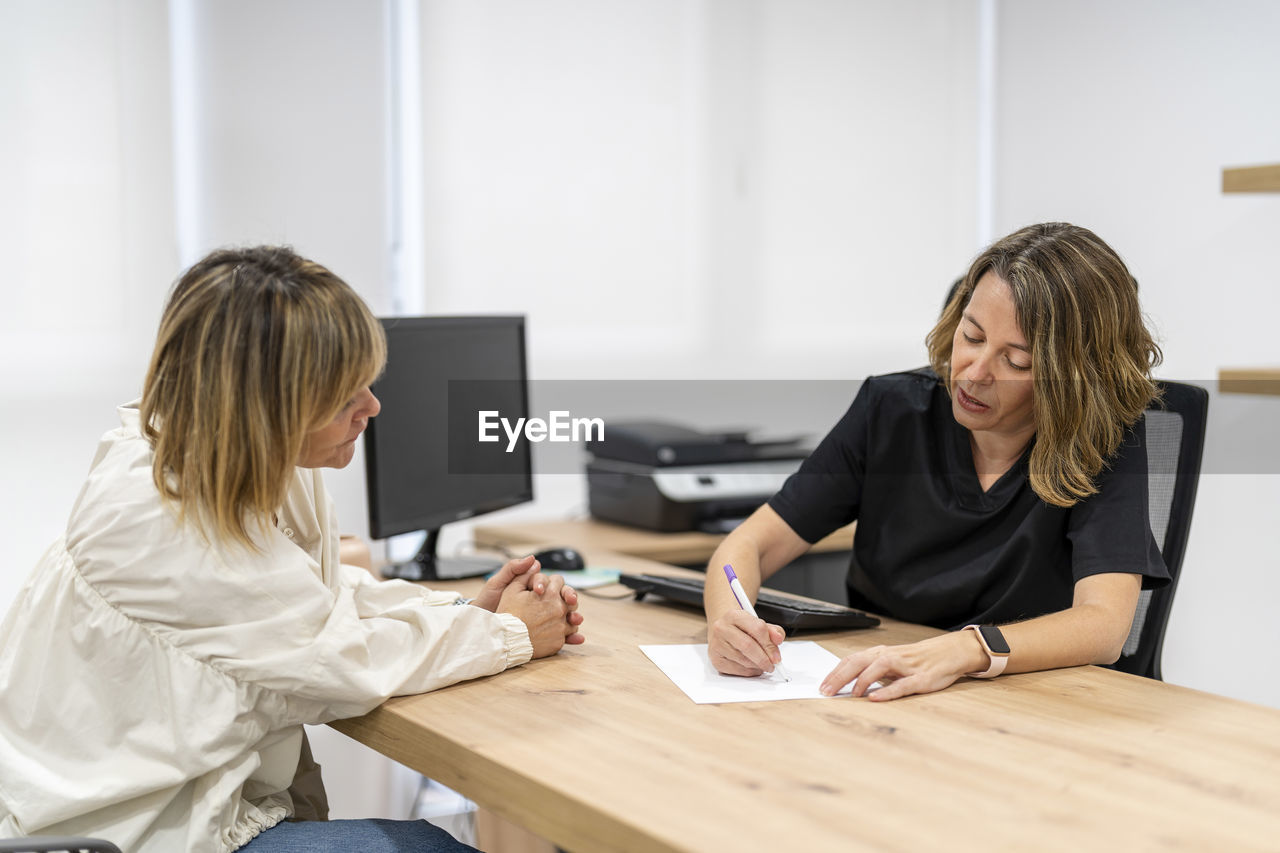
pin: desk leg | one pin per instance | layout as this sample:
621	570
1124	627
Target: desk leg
495	835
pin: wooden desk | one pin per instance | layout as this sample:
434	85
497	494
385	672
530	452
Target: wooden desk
590	536
596	750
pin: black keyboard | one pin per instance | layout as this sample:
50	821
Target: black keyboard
792	614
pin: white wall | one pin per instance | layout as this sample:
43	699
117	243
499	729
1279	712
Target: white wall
1120	117
86	233
700	188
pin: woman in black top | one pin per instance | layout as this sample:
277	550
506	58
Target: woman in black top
1005	485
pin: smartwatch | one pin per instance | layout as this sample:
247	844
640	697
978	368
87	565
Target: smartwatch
997	649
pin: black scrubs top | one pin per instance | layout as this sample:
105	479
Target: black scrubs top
931	546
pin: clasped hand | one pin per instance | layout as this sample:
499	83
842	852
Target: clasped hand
544	603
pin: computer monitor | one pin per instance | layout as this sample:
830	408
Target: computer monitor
424	464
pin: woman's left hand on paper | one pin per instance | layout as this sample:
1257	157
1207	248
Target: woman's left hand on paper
922	667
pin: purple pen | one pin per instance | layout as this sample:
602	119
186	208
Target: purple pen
744	603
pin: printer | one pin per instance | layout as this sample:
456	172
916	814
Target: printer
670	478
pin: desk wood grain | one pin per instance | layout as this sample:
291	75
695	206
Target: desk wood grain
596	750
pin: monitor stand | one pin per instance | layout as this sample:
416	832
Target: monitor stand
426	565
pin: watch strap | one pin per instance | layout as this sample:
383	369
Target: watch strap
999	660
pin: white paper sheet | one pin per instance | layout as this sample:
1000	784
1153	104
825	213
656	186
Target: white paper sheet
806	663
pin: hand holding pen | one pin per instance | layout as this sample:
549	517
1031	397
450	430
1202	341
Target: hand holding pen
744	603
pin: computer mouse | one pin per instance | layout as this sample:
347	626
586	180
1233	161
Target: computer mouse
560	560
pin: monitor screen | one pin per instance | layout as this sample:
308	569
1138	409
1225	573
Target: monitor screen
424	465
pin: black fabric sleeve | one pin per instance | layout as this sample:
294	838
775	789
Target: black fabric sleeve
825	494
1111	530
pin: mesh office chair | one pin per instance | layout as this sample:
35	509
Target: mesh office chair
1175	445
52	844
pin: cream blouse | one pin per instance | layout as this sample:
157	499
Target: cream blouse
153	687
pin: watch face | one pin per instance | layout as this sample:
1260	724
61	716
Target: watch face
994	639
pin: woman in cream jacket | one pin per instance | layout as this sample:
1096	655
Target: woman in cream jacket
158	666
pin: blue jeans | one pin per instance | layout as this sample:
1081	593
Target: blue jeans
366	836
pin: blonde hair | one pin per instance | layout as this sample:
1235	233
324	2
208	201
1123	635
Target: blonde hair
257	347
1091	352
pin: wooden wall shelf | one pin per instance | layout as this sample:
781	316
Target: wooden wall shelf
1251	179
1249	380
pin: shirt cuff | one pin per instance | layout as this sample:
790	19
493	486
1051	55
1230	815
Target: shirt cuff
436	597
516	640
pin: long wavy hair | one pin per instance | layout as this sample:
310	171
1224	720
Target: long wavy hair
1091	352
257	347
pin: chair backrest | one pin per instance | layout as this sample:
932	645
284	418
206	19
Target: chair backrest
56	844
1175	446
